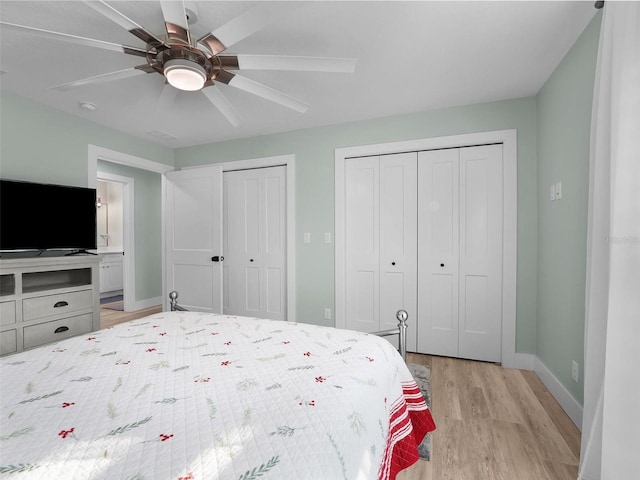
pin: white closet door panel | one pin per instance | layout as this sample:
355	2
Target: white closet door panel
255	242
194	213
362	243
251	301
481	252
273	211
398	242
438	234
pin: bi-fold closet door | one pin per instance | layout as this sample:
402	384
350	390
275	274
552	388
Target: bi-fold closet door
424	234
380	242
460	216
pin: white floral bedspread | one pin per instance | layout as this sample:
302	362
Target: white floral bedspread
189	395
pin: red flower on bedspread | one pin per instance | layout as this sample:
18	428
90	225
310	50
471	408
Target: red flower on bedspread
67	404
66	433
164	437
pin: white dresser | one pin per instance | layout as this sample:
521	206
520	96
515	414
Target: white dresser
47	299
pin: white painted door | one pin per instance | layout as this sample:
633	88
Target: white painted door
480	320
194	237
255	232
438	247
380	242
460	252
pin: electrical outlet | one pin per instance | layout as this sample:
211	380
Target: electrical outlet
558	190
327	314
306	237
327	237
574	370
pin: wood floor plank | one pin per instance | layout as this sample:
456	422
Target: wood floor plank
497	424
569	431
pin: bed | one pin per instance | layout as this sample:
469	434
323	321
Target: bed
190	396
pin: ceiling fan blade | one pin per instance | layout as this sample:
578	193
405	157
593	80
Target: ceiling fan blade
239	28
106	77
175	20
216	97
166	98
65	37
125	22
283	62
251	86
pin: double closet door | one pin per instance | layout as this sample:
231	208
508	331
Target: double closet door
226	240
424	234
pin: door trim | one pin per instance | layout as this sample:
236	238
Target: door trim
128	239
96	153
508	139
289	161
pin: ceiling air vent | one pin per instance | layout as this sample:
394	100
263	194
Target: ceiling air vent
161	135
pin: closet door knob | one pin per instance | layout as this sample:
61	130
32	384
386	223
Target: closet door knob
393	263
442	264
251	259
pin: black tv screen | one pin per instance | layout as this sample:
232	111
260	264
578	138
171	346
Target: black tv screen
38	217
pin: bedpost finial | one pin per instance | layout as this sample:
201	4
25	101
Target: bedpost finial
173	295
402	315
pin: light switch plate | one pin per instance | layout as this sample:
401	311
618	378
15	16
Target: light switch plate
552	193
306	237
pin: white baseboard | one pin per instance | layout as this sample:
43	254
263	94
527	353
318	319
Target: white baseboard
149	302
525	361
568	403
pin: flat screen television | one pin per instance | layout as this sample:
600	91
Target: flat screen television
39	217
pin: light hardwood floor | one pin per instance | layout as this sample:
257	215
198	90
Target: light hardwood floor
492	422
109	318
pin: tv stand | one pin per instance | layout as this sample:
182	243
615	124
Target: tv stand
46	299
79	252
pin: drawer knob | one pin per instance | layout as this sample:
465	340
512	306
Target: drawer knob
61	303
61	329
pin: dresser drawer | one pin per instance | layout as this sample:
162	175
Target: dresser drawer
46	306
8	342
41	333
8	312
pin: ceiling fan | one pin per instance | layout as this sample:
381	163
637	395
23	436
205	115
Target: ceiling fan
190	64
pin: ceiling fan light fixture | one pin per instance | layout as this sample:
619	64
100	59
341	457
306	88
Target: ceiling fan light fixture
185	74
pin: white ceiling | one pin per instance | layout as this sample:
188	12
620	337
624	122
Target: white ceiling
411	57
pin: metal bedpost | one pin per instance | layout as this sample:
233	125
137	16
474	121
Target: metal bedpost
401	331
173	302
402	316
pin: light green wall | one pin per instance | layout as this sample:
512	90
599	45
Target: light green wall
41	144
564	124
314	151
148	233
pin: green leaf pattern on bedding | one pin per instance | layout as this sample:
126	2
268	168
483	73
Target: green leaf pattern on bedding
180	397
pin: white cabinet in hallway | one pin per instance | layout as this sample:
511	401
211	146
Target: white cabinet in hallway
111	272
